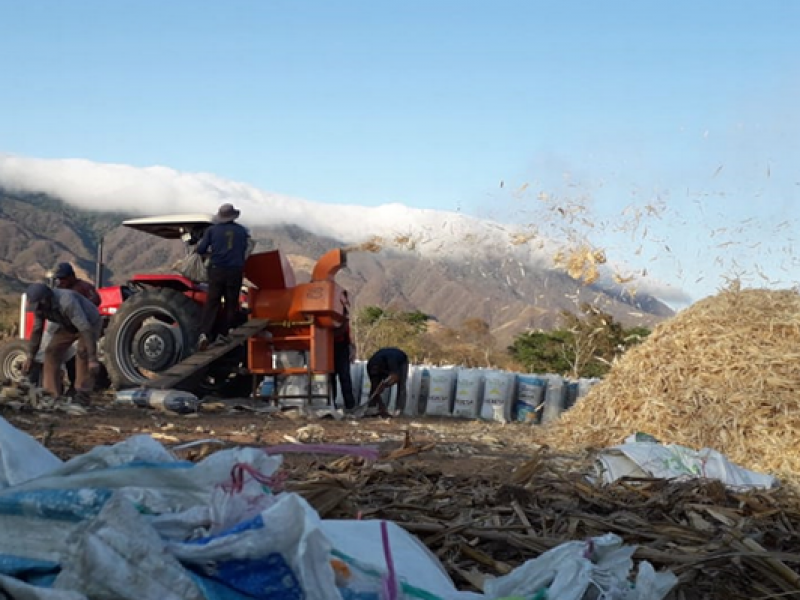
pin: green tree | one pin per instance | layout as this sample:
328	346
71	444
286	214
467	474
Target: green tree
544	351
375	328
586	346
417	319
369	315
635	335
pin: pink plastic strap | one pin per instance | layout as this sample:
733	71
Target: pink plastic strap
238	471
390	581
366	452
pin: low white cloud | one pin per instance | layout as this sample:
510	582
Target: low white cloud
160	190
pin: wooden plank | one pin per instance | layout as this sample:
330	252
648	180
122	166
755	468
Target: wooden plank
180	372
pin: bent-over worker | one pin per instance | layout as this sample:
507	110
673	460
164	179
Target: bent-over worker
69	317
228	245
388	367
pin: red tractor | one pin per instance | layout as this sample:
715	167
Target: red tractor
153	320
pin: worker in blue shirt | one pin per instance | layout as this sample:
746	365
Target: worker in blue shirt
228	244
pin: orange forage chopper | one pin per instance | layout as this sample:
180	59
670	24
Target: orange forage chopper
300	317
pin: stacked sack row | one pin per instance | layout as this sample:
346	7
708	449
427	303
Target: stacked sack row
479	393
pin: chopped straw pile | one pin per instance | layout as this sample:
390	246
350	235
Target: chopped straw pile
719	543
723	374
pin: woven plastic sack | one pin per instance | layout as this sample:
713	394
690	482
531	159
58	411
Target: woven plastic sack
193	267
598	568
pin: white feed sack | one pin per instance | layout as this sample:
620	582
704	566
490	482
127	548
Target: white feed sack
469	385
320	390
389	398
555	398
440	394
530	395
585	384
362	393
293	390
417	389
498	396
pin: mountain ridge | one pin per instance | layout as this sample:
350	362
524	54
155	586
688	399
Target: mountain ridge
37	231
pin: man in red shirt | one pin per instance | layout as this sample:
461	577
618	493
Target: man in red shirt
67	280
344	352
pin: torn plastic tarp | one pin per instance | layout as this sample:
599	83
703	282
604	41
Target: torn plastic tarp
131	521
22	457
598	568
671	461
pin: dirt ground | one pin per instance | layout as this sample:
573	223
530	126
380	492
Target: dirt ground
454	446
452	482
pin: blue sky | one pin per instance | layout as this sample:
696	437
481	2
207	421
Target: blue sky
691	106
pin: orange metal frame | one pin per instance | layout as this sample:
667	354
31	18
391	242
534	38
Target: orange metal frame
301	317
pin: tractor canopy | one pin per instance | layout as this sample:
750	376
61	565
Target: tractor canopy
189	227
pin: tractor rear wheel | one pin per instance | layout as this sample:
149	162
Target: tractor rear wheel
157	328
152	331
12	357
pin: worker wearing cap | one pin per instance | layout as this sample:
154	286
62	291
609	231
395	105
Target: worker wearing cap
388	367
227	243
67	280
69	317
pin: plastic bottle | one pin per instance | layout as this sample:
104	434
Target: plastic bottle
134	397
171	400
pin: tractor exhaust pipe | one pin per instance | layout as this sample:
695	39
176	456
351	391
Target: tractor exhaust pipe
98	267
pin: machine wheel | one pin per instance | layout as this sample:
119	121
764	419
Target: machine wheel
153	330
12	357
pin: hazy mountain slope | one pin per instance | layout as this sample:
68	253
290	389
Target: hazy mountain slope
36	232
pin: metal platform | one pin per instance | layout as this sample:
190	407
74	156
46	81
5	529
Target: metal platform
179	373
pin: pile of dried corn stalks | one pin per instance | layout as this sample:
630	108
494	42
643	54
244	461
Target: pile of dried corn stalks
721	544
723	374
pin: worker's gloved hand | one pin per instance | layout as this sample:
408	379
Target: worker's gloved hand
27	365
392	379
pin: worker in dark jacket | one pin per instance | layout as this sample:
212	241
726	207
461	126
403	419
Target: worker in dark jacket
388	367
227	242
344	353
67	280
69	317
